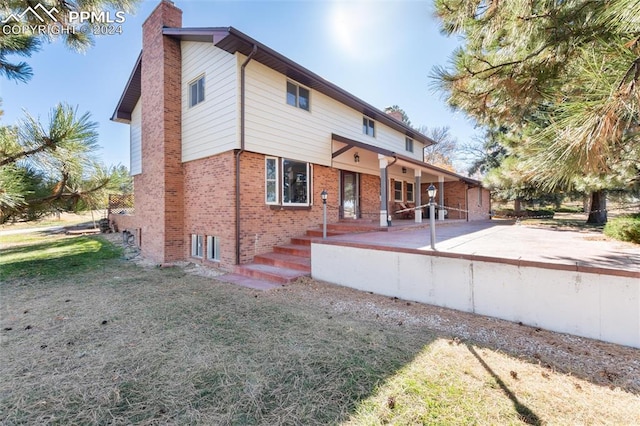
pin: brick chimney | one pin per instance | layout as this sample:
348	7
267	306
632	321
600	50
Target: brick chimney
159	191
395	114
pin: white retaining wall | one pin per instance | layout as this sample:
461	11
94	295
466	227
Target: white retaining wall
595	305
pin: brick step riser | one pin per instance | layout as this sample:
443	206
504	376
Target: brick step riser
301	241
293	251
352	228
315	233
262	275
282	263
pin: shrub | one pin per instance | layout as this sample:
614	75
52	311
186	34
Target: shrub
529	213
569	209
624	228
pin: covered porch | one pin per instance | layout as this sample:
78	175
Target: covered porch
399	192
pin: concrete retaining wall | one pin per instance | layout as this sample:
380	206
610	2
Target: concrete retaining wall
583	301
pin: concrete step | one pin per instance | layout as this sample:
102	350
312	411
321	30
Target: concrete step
249	282
270	273
283	260
294	249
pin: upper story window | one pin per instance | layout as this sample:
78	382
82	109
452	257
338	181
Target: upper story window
368	126
196	91
408	144
298	96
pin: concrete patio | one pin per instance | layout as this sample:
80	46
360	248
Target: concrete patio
506	239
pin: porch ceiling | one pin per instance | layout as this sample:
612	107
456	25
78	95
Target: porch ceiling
402	160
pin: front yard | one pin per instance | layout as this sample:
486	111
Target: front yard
88	338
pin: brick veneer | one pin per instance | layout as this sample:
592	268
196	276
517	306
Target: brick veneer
479	204
264	226
370	197
158	201
209	199
455	196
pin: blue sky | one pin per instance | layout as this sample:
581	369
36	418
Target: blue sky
382	51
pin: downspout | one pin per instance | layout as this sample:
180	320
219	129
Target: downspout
466	200
386	176
242	72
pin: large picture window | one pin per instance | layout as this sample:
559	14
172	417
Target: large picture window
295	182
287	182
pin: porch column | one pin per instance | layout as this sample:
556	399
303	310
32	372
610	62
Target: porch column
418	195
441	201
383	189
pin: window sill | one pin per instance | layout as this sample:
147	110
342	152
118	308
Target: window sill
282	207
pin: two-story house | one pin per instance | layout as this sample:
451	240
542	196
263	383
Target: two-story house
232	144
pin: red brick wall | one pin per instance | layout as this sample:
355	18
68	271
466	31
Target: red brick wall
264	226
370	197
209	199
479	204
158	200
455	196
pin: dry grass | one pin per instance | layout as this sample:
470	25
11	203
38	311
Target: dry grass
121	344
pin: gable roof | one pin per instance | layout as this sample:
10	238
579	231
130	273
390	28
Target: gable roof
232	41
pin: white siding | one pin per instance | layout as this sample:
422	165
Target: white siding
273	127
135	140
210	127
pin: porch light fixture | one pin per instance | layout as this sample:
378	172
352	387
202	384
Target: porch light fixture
431	191
356	157
324	194
404	170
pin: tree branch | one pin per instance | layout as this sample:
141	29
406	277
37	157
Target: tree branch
48	143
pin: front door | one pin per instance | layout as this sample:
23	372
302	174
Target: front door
350	195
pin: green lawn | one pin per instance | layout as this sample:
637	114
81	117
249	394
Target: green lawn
37	255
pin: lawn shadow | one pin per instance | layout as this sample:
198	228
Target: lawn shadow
525	414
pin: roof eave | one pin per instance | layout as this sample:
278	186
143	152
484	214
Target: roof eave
130	95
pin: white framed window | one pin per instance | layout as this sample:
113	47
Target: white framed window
213	248
196	245
196	91
397	190
368	127
409	186
298	96
271	193
408	144
287	182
